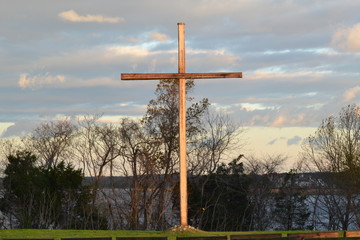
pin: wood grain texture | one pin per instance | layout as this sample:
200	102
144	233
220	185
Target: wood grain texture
156	76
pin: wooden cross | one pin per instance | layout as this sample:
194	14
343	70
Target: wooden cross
181	75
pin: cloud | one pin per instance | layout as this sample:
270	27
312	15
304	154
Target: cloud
20	128
276	140
38	81
283	120
280	120
351	94
135	51
73	16
347	39
278	75
294	141
272	142
160	37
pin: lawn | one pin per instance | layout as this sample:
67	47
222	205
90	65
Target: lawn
58	234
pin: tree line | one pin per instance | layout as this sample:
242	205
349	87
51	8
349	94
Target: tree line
44	187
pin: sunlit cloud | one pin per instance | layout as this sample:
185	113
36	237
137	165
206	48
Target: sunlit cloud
73	16
118	118
319	51
255	106
280	120
315	106
160	37
278	74
351	93
283	120
225	109
137	51
39	80
347	39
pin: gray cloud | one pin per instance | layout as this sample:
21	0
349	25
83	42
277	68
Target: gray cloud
272	142
294	141
298	66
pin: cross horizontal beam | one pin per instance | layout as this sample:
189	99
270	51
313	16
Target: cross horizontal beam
155	76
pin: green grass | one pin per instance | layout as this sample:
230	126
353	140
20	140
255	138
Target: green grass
58	234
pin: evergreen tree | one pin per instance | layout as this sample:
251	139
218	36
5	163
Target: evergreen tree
218	202
42	197
291	212
21	188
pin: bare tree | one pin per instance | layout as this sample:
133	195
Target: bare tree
140	156
335	149
218	140
144	152
9	146
264	176
51	142
161	122
97	146
219	137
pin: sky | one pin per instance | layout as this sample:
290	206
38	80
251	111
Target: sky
300	61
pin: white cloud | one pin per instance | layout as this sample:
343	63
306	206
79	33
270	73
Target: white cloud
351	93
254	106
20	128
278	74
4	126
160	37
73	16
136	51
38	81
118	118
347	39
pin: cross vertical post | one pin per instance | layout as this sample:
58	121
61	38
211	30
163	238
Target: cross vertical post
181	76
182	126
